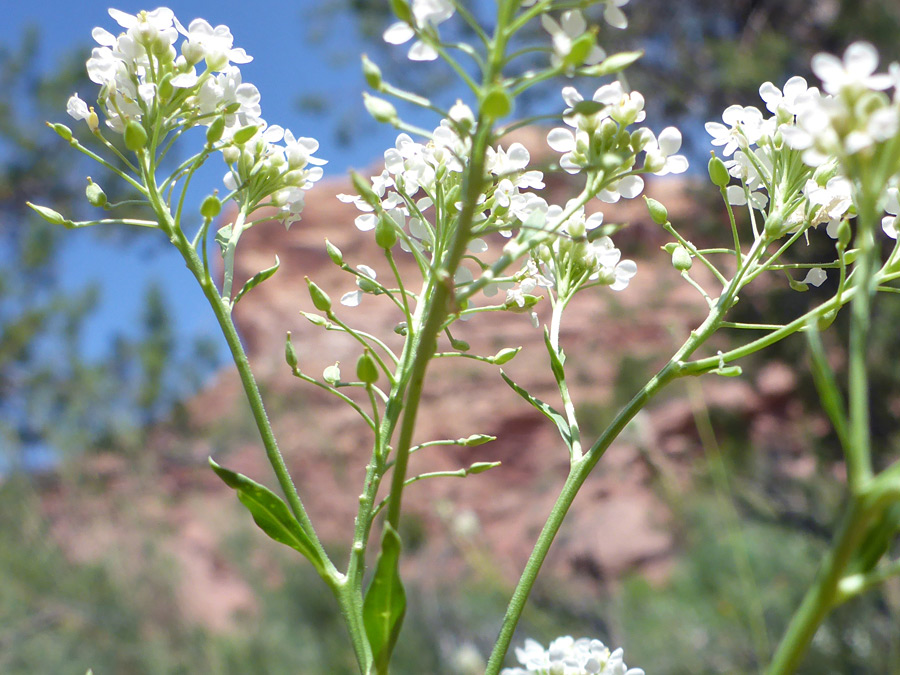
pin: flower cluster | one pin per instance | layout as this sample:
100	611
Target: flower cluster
149	90
830	130
568	656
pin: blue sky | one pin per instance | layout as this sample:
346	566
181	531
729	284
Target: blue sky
287	65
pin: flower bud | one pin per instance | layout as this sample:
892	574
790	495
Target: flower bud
135	136
165	89
215	130
366	370
402	10
371	72
497	103
211	207
315	319
401	329
385	232
334	253
290	354
244	134
95	194
718	174
658	212
681	259
320	298
843	235
231	154
379	109
332	374
481	467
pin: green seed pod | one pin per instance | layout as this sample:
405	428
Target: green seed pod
718	174
320	298
385	232
366	370
475	439
51	216
401	329
332	374
211	207
215	130
135	136
505	355
460	345
681	259
371	72
658	212
334	253
481	467
64	132
165	89
290	354
95	194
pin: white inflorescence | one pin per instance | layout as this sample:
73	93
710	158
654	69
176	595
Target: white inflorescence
144	79
568	656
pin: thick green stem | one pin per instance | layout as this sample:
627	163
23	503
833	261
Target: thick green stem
820	598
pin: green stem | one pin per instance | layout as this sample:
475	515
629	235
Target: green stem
821	596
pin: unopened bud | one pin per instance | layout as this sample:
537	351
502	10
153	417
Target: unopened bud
215	130
379	109
231	154
475	439
371	72
244	134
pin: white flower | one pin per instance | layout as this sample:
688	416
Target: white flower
567	656
571	26
628	187
624	107
426	13
77	108
891	222
790	99
855	71
738	197
745	125
829	203
614	16
352	299
815	277
213	44
661	158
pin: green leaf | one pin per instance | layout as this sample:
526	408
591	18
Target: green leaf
555	416
270	513
385	603
257	279
557	359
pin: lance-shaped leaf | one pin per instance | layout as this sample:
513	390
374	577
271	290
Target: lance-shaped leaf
270	513
557	359
385	601
554	415
257	279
